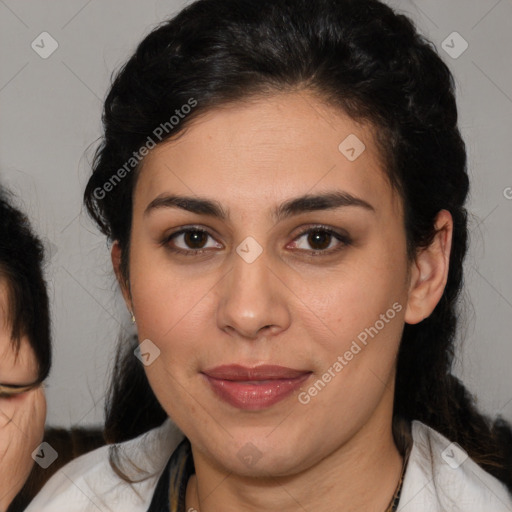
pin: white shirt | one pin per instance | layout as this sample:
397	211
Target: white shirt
438	478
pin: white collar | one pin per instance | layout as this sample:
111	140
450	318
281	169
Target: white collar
430	483
439	478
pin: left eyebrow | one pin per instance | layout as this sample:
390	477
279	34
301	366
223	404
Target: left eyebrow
311	203
295	206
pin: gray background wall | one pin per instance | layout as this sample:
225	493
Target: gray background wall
50	113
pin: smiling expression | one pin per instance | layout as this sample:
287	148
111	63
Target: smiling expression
291	251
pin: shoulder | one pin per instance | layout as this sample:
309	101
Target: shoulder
440	476
88	483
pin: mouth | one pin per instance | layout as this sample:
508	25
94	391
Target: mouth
254	388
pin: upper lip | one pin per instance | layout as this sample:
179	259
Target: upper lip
262	372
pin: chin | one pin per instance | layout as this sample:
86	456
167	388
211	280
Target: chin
258	456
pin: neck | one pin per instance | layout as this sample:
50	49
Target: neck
362	474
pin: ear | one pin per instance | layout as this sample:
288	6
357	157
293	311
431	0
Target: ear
116	254
429	272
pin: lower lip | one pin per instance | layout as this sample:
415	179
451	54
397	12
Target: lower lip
250	396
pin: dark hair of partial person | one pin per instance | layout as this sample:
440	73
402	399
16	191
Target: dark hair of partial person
21	269
359	56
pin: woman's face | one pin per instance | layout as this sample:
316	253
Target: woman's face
22	416
249	290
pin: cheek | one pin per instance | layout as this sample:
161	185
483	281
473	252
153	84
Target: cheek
363	307
359	353
347	301
159	295
173	309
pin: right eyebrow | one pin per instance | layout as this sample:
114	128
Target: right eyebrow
191	204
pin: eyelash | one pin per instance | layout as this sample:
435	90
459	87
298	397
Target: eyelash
344	239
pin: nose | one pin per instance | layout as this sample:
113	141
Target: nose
254	301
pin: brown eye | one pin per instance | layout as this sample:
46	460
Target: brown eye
190	242
195	239
321	241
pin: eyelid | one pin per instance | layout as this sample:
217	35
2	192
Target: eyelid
10	390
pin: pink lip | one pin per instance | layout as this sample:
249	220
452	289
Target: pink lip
254	388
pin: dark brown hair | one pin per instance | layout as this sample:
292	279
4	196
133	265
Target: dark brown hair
21	268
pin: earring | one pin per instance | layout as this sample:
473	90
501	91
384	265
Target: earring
133	317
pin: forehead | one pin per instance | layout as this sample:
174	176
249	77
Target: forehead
265	149
4	302
6	342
